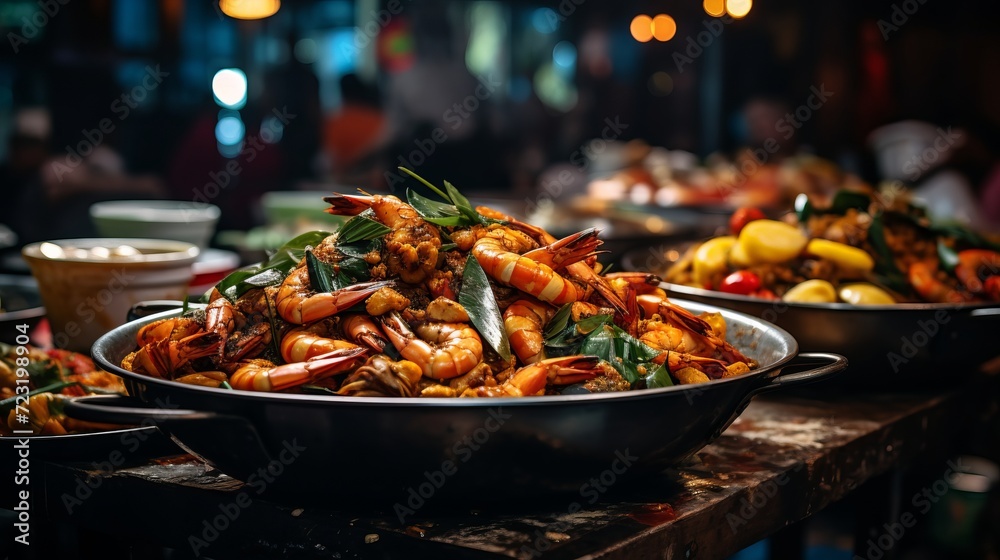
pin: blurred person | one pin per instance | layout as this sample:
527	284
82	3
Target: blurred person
933	162
199	172
357	129
52	194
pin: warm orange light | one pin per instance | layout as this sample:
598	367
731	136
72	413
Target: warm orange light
664	27
642	28
738	8
249	9
714	8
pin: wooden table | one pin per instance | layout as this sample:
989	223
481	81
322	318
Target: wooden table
785	459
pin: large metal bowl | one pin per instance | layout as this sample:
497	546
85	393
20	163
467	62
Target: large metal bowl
900	346
342	446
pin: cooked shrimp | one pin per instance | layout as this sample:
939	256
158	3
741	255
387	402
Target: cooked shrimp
531	380
581	271
524	321
445	310
413	243
303	343
442	350
262	375
523	273
670	327
979	272
296	305
165	357
174	328
363	330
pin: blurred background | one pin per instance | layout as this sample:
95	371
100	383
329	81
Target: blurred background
632	109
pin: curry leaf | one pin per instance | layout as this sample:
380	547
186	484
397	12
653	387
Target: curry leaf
436	212
660	377
845	199
463	204
426	183
885	263
477	297
559	321
947	256
361	228
282	262
269	277
8	403
320	273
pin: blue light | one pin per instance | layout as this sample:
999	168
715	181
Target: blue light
519	89
564	55
229	131
545	20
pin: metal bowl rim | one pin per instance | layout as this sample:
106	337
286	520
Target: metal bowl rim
759	376
702	292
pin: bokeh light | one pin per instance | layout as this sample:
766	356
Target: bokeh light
230	88
545	20
738	8
229	131
664	27
714	8
642	28
249	9
564	55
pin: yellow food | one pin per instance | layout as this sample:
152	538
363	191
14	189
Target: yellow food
771	241
711	257
843	255
812	291
863	293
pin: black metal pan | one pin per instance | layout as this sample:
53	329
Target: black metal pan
323	447
905	346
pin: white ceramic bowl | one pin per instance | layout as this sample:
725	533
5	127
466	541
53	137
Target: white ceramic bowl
85	295
192	222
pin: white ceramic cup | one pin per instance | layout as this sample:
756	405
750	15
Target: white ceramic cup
86	295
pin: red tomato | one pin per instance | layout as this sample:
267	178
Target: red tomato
742	217
764	293
742	282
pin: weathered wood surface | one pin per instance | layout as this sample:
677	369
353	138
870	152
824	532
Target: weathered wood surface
783	460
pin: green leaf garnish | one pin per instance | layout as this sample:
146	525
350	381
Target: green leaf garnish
456	211
659	378
885	264
437	213
476	296
9	402
282	262
320	273
361	228
947	256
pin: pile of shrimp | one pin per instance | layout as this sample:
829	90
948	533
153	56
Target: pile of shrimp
404	334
